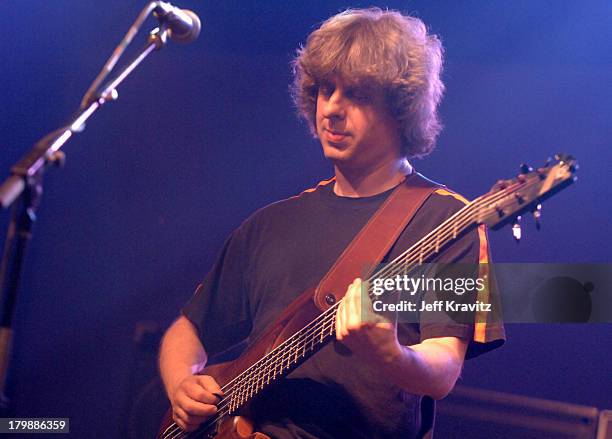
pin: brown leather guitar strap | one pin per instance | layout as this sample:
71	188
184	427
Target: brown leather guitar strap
375	239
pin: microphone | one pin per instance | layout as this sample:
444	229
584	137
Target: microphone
183	25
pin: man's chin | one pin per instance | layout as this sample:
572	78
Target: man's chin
334	152
339	159
343	161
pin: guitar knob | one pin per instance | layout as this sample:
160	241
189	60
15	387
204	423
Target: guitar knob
525	169
499	185
519	198
516	229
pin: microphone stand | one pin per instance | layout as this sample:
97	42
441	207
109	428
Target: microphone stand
23	191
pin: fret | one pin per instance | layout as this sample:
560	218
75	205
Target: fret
282	364
292	354
249	387
267	375
262	378
251	390
243	390
242	393
239	398
252	384
258	383
232	402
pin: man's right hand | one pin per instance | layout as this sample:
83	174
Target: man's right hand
194	401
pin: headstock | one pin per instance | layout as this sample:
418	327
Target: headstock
509	199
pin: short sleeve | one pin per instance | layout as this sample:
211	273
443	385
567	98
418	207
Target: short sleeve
219	307
469	254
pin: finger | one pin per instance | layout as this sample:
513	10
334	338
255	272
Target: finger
210	384
366	300
199	410
384	324
187	426
191	410
357	302
353	308
367	310
204	389
197	393
337	322
180	418
341	313
346	310
340	320
180	423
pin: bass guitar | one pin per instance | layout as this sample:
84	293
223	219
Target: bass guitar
302	329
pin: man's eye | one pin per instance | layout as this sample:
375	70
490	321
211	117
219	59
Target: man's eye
359	96
326	90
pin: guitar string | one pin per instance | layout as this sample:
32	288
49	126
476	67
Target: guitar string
174	428
464	217
238	380
458	227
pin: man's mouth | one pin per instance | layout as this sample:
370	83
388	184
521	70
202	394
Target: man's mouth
335	136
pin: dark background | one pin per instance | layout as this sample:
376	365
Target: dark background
203	135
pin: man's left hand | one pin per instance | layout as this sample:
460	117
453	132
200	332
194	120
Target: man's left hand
367	334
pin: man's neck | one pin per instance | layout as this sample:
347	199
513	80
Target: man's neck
356	183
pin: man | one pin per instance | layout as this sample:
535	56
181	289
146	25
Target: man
368	84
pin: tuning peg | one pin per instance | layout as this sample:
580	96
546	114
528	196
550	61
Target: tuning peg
568	159
516	229
564	157
501	184
537	214
57	158
525	169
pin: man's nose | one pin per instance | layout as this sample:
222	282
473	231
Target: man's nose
334	107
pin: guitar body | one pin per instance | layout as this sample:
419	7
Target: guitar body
295	317
231	427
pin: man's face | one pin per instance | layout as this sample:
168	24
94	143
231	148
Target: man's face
355	127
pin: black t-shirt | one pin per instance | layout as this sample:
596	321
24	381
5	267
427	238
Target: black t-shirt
286	248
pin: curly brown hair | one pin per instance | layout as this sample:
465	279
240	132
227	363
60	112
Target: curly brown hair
372	47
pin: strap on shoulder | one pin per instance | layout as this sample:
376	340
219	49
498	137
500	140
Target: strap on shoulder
375	239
